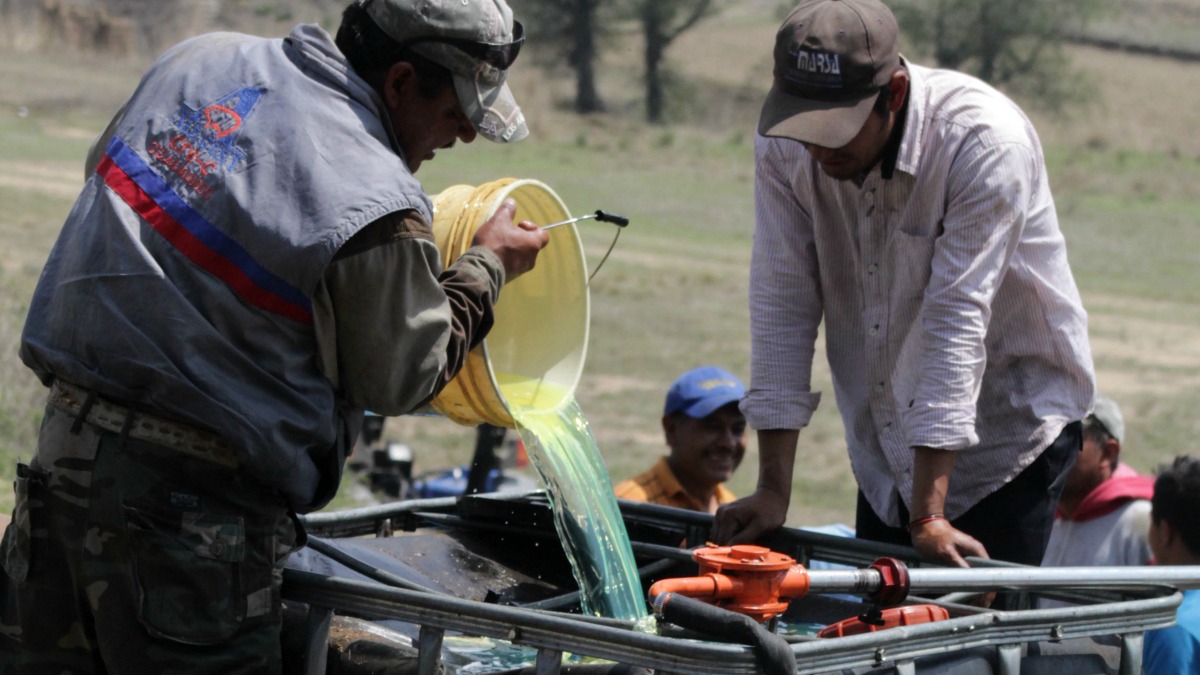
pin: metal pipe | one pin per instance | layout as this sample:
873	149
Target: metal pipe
585	636
602	216
946	580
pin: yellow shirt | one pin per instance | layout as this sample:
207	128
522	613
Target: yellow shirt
658	485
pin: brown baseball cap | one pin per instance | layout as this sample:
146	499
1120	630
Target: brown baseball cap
831	59
477	40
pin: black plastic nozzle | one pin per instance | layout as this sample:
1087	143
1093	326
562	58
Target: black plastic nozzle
615	219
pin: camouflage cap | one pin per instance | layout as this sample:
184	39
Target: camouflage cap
477	40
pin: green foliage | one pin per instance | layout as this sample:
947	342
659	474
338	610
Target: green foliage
22	396
572	34
1012	43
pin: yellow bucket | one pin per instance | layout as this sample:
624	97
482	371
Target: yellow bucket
539	340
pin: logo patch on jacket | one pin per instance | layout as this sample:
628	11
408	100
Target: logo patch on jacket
205	139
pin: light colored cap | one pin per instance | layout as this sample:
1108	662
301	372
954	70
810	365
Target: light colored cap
476	40
1107	413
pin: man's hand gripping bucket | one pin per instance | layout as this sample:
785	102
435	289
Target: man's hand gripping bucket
534	354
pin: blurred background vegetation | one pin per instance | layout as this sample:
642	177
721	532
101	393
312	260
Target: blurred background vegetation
648	108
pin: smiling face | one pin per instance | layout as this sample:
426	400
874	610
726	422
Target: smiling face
705	452
423	122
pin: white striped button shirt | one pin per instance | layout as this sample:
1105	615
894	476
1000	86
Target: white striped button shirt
952	319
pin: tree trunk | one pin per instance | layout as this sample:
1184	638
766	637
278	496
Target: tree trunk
661	24
989	43
656	44
583	56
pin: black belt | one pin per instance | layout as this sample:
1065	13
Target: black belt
97	411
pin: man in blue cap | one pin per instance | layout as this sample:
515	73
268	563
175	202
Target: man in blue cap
707	436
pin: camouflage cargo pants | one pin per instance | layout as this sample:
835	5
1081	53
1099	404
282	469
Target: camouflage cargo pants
127	557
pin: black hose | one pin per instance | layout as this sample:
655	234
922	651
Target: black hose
571	599
772	652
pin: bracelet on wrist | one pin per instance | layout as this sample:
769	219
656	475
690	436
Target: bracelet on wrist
926	519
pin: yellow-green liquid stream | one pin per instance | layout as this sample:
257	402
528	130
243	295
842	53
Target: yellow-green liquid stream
560	443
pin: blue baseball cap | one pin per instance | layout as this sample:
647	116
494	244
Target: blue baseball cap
700	392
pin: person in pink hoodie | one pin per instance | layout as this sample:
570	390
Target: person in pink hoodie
1104	511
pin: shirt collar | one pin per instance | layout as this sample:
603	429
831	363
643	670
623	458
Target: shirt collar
890	159
891	151
908	151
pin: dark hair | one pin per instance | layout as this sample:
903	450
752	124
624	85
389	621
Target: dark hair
881	102
1094	429
1099	434
885	92
1177	499
371	52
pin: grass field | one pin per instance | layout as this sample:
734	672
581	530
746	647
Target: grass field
1125	168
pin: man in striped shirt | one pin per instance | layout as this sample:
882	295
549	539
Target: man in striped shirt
909	209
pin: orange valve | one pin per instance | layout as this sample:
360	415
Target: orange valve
892	617
750	580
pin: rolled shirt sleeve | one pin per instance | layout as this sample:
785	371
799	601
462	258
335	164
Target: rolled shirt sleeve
785	301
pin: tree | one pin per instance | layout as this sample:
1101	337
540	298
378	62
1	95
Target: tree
570	28
1013	43
663	21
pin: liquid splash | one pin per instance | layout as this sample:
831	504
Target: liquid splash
564	452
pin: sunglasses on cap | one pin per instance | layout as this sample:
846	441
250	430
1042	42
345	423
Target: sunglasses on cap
496	56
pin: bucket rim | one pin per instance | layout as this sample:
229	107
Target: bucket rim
513	185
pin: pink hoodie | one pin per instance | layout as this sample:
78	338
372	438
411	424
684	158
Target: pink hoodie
1124	486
